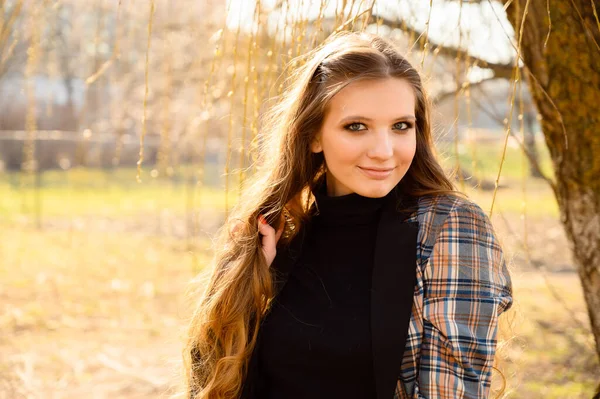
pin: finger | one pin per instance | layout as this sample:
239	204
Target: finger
266	230
263	227
269	240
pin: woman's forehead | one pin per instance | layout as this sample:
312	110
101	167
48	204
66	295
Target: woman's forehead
388	98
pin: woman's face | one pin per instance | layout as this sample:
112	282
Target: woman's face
368	137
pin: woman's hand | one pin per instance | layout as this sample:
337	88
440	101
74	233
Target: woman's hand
270	236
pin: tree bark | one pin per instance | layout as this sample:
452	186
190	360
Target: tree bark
568	70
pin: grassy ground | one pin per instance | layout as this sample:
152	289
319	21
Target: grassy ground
92	304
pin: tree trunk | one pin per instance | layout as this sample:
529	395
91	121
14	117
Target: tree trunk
568	70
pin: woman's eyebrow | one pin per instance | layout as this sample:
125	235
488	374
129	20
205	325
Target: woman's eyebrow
363	118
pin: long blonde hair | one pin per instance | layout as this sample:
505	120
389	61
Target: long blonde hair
224	327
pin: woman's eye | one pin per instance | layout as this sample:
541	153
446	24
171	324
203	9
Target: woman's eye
355	127
402	126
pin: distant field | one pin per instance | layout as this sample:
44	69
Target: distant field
95	192
115	193
484	158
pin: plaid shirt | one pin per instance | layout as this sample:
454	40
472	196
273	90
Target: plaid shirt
462	287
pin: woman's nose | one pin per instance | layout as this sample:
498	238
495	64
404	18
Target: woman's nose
381	145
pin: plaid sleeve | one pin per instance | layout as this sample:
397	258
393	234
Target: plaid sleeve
466	288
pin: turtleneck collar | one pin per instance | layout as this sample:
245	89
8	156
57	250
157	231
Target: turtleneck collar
345	210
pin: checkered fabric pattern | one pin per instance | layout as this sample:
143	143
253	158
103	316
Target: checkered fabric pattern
462	287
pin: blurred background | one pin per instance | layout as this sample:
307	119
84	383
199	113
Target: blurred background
128	128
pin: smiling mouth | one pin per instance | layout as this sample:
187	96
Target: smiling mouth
377	174
377	169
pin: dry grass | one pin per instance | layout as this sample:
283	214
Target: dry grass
90	314
550	353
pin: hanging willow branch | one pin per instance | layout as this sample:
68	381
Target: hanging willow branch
500	70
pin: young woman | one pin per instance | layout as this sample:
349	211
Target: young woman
351	268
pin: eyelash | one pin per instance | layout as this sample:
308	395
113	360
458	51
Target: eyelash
409	125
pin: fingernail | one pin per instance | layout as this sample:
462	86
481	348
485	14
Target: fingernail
262	219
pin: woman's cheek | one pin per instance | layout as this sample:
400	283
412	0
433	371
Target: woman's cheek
407	147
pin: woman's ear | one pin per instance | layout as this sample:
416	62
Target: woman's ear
315	145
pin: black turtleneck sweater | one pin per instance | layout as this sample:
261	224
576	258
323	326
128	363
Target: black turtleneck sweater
316	341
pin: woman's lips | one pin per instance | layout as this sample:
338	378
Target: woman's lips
377	174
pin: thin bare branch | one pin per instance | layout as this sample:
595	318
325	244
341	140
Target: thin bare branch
536	81
549	23
447	94
596	14
500	70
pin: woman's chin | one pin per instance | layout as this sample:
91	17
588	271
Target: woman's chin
375	189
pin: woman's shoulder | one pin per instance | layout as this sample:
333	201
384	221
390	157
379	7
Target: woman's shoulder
449	220
435	211
445	204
